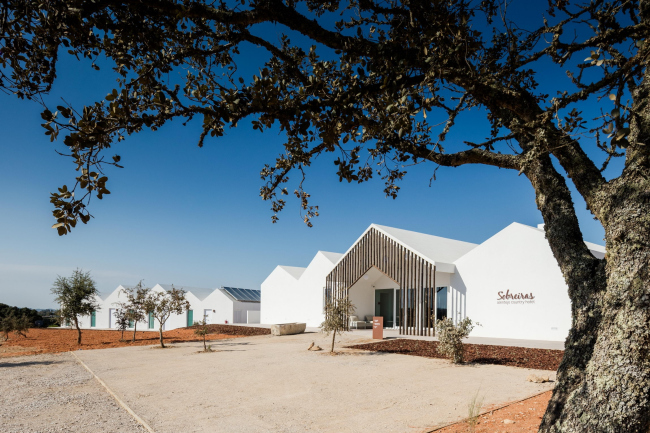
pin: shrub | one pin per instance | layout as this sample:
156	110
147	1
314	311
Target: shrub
450	337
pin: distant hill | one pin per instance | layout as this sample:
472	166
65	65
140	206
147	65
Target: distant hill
34	316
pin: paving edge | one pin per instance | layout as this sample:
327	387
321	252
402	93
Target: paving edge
487	411
120	402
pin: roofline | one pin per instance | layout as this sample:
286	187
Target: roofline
422	256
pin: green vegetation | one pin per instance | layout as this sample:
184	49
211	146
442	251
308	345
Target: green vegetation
337	313
134	306
77	296
450	337
163	304
201	329
33	315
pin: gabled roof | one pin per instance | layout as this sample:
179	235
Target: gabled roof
433	248
294	271
199	292
442	252
332	257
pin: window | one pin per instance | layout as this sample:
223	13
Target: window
441	303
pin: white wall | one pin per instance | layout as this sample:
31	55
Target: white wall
518	259
253	316
222	307
286	298
279	293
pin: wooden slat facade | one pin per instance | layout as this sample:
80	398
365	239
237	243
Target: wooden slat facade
415	277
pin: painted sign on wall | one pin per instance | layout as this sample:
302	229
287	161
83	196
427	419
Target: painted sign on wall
515	298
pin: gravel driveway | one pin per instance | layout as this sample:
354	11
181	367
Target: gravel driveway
53	393
274	385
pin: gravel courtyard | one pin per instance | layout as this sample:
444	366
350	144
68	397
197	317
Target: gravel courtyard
273	384
53	393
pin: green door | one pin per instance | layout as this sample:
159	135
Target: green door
92	319
190	317
150	320
384	300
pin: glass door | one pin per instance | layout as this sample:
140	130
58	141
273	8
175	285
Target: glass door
384	299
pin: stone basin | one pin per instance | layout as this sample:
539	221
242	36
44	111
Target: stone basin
288	328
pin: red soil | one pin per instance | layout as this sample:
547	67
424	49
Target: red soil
525	417
53	340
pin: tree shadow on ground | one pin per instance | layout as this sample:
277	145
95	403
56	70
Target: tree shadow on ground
27	363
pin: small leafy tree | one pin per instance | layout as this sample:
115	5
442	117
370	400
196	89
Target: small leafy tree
450	337
7	325
77	297
202	330
336	317
121	321
163	304
22	325
134	305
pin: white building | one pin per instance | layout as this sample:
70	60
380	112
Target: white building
511	283
224	305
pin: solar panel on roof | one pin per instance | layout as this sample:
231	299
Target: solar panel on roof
245	295
255	295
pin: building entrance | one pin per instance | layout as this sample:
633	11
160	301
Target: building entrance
385	306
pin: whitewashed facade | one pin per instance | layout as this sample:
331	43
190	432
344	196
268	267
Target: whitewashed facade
222	305
511	284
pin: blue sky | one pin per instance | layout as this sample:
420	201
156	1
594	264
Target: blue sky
193	217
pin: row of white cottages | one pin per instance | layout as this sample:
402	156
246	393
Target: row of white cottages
511	284
219	306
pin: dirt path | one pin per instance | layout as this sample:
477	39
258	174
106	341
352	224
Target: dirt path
53	393
273	384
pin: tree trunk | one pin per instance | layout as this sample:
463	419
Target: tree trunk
205	349
333	337
76	324
162	344
135	327
604	379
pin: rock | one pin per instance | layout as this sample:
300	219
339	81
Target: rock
508	421
537	379
316	348
310	346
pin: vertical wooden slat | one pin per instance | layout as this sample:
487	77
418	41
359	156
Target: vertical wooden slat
418	277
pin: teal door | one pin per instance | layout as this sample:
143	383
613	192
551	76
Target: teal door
384	300
92	319
190	317
150	320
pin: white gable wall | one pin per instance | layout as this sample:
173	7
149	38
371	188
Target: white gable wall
312	286
517	260
222	306
286	298
279	297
